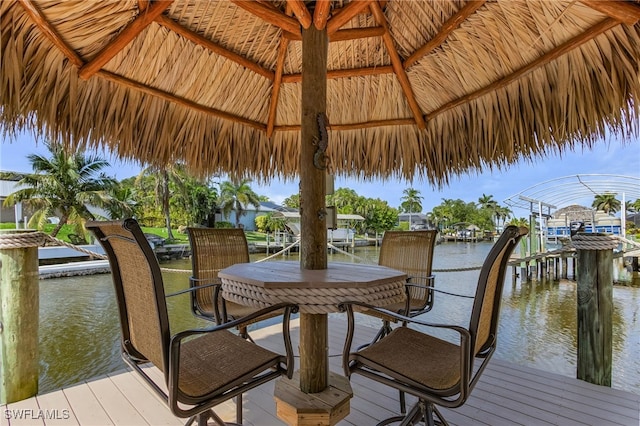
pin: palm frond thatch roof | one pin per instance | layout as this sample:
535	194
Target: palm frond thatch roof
422	88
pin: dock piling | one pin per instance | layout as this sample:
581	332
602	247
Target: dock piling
19	314
595	306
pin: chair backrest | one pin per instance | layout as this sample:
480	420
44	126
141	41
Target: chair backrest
486	306
139	290
412	253
212	250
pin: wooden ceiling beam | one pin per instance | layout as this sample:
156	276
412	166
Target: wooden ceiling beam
277	83
75	59
270	15
343	35
321	14
447	28
554	53
302	13
50	32
624	11
343	73
357	126
396	63
130	32
345	14
134	85
214	47
356	33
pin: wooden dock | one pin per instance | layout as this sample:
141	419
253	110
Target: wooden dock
507	394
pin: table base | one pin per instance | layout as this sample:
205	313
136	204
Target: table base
324	408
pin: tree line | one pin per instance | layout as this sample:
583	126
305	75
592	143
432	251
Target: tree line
64	184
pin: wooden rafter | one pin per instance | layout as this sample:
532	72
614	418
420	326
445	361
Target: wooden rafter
214	47
73	57
574	43
130	32
275	92
347	34
51	33
356	33
302	13
131	84
555	53
270	15
345	14
356	126
343	73
447	28
398	69
321	13
624	11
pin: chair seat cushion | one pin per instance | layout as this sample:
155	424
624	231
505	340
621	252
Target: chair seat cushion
216	360
414	357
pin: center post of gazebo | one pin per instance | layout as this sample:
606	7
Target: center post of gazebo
317	293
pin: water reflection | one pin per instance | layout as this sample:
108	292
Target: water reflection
79	329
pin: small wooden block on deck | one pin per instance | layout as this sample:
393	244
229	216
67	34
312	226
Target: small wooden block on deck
306	409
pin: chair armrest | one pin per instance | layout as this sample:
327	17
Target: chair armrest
344	307
427	283
465	336
232	324
454	294
191	289
426	278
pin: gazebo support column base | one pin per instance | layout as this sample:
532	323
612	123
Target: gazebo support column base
326	408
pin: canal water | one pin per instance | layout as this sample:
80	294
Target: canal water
79	331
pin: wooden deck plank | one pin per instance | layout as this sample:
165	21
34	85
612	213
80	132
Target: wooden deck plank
585	411
25	412
58	409
114	403
85	406
147	403
507	394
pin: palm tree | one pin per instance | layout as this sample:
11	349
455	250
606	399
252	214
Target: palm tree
487	202
411	201
606	202
235	195
63	186
124	202
502	213
164	176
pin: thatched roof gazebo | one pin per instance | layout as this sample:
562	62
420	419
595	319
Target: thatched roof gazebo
401	88
415	88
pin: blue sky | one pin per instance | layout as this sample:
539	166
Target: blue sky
608	157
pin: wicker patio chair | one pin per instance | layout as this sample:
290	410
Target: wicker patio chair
437	371
202	368
212	250
412	253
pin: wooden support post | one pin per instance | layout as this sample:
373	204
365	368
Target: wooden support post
565	266
595	306
313	246
19	314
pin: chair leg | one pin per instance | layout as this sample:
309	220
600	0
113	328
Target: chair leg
242	331
239	409
202	418
422	411
403	403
